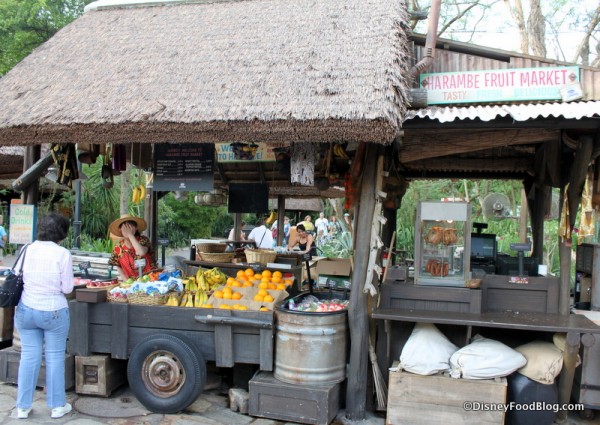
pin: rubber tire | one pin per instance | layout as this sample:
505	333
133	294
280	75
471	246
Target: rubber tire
184	353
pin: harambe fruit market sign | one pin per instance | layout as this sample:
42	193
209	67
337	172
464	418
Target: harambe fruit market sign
498	84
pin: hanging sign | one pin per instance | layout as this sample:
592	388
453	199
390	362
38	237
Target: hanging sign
23	219
184	167
254	152
498	85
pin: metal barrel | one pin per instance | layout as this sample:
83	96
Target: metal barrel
310	348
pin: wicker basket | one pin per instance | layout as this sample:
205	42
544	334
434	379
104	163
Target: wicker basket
112	299
214	257
145	299
211	247
262	256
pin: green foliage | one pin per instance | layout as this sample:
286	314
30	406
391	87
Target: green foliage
192	220
99	205
24	25
339	246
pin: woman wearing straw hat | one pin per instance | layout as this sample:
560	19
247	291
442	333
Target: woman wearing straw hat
132	247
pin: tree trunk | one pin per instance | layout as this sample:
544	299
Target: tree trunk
537	29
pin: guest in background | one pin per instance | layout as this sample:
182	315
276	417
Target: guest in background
242	235
308	224
261	235
304	241
3	239
321	225
42	316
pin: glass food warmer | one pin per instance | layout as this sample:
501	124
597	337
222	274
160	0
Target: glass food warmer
442	243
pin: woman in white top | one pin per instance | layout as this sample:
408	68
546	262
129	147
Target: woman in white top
42	316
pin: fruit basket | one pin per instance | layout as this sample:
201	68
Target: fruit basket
262	256
145	299
211	247
214	257
116	299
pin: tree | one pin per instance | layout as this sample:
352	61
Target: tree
24	25
559	29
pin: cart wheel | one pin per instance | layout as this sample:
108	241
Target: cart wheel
586	414
166	373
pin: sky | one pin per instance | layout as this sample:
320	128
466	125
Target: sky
500	32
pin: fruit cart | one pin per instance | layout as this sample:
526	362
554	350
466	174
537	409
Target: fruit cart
168	347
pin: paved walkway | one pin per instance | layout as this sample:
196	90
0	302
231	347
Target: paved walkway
122	408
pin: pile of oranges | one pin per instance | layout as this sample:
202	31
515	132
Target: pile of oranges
264	280
227	294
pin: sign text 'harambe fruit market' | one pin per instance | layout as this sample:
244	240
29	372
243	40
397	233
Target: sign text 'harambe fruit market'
498	84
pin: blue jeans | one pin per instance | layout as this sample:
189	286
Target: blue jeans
37	327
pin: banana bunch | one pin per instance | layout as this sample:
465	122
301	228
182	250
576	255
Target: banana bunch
201	283
201	298
172	301
272	217
189	302
214	277
138	194
339	151
191	285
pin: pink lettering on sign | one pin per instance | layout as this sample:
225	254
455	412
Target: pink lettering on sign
544	77
499	79
452	81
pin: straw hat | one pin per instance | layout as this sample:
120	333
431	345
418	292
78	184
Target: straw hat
115	229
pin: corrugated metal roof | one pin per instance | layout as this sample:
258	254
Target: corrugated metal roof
524	112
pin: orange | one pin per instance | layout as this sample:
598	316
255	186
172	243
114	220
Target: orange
278	274
230	280
242	278
236	296
248	284
206	306
249	272
276	279
227	295
225	307
236	284
258	297
263	309
281	286
263	285
272	286
287	282
265	279
240	273
262	292
242	307
227	289
266	273
218	294
236	306
257	276
268	299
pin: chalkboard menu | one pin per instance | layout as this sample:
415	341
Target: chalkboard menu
184	167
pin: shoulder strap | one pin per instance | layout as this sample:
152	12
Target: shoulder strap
21	254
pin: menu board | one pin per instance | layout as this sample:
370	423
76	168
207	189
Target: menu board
184	167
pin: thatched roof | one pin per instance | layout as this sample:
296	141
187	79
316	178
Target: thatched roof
259	70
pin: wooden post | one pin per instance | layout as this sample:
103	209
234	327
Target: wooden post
567	373
356	392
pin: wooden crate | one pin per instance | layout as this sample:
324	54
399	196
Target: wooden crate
9	368
6	323
434	298
306	404
91	295
99	374
540	295
438	399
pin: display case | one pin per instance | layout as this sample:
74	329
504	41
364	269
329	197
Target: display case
442	243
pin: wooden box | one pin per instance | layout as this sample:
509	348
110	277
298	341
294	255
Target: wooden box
306	404
438	399
91	295
99	374
7	323
432	298
9	368
540	295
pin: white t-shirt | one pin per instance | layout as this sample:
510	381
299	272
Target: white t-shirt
322	225
262	236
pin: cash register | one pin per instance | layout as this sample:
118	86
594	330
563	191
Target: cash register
483	250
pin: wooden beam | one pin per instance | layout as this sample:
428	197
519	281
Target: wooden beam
356	390
499	165
430	144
